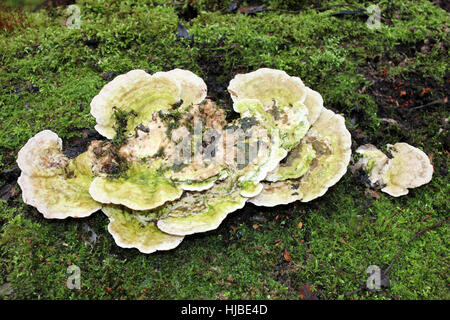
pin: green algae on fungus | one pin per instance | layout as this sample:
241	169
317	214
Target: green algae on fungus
295	165
133	229
151	176
143	94
143	187
264	150
202	211
57	186
280	96
331	142
373	161
408	168
267	85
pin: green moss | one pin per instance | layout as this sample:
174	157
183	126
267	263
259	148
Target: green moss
122	118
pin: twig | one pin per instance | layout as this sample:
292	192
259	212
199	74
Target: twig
386	272
427	104
317	9
434	226
361	288
175	3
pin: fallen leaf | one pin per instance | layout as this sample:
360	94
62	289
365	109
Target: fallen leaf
300	225
306	293
431	156
7	191
426	90
6	289
373	193
287	256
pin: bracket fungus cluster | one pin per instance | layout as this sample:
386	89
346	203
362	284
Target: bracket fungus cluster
406	167
172	165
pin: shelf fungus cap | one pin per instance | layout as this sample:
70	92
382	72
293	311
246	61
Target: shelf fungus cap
295	165
373	161
132	229
268	85
410	167
193	88
203	211
42	155
137	93
314	103
263	148
331	142
55	185
142	187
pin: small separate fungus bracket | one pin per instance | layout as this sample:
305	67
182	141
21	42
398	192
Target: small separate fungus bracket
408	168
55	185
373	161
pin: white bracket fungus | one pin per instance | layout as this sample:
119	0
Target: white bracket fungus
409	167
52	183
173	166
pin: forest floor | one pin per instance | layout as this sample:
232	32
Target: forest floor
390	83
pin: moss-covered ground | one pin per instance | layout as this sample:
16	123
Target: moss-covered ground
391	84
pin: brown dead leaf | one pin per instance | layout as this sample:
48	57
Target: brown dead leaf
373	193
306	293
431	156
286	255
8	191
